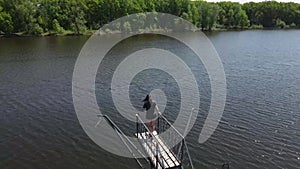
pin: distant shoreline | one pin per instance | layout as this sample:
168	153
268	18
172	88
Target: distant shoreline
74	18
91	32
12	35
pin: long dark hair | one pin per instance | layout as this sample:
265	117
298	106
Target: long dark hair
147	98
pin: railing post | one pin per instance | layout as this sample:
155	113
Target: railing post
158	128
182	148
137	125
156	155
225	166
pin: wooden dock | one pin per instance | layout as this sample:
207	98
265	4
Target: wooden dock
158	150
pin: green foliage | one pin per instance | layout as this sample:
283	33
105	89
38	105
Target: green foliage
280	23
292	25
209	15
93	7
56	27
192	14
127	27
186	16
232	15
256	27
59	16
34	29
6	24
242	19
266	13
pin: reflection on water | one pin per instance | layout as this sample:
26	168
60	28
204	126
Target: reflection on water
260	127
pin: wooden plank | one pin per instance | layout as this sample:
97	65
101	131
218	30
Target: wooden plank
168	159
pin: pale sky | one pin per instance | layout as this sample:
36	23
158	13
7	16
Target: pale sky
243	1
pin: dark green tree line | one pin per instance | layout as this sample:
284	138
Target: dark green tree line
272	13
79	16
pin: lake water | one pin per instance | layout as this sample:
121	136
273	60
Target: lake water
260	127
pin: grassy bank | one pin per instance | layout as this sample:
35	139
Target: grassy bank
91	32
64	33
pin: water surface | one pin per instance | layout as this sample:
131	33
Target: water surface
260	127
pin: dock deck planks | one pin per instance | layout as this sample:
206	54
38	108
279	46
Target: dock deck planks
167	158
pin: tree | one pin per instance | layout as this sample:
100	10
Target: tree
230	18
34	29
93	14
280	23
77	16
242	19
232	15
251	10
268	13
6	24
208	15
56	27
22	14
192	14
212	16
222	17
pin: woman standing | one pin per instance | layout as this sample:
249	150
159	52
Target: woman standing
152	112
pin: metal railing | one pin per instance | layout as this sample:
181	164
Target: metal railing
179	151
174	136
225	166
148	138
129	145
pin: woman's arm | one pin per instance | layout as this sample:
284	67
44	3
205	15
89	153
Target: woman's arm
157	110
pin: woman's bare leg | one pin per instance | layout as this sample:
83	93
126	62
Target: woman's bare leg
149	125
153	125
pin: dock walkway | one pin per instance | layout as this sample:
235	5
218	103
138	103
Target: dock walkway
153	146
